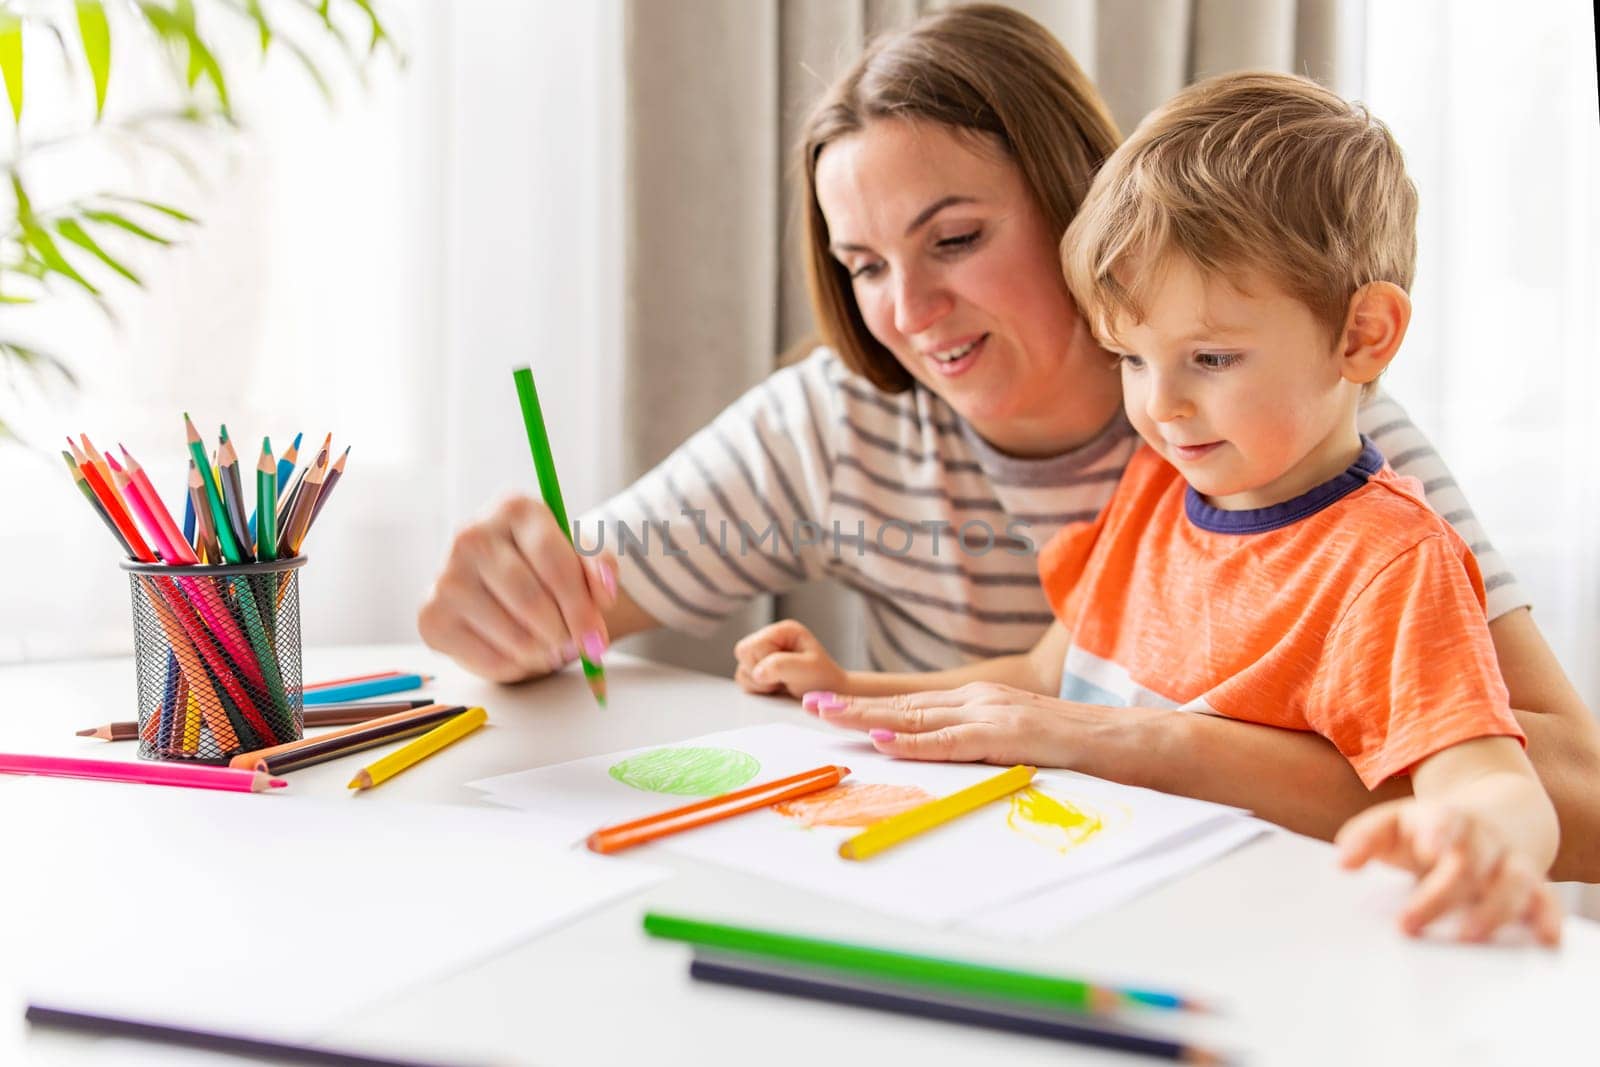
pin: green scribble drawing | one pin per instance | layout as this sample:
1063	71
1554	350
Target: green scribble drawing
687	772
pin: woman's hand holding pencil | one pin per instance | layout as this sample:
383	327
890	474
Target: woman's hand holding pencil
516	598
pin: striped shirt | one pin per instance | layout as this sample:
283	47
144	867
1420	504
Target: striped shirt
815	474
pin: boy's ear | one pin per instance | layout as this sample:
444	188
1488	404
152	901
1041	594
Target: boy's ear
1373	329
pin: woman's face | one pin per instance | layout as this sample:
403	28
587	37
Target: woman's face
956	272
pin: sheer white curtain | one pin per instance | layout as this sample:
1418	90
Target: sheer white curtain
374	270
1495	107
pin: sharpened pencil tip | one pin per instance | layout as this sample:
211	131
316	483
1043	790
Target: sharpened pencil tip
277	783
87	733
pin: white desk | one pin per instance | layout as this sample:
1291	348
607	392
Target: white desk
1307	956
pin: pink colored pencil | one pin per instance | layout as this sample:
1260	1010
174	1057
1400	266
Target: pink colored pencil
142	483
191	775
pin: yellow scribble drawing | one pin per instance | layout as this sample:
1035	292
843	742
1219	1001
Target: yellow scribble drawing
1057	824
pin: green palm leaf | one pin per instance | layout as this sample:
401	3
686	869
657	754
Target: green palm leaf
11	60
96	34
72	231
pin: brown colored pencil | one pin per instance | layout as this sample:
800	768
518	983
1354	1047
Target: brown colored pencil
300	508
205	528
348	746
334	474
260	755
325	715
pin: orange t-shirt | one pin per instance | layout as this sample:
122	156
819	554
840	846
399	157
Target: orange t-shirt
1353	611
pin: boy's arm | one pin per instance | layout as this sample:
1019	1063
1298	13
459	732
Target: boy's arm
1491	779
1037	671
1479	835
785	657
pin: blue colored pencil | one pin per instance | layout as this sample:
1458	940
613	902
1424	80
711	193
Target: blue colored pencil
361	690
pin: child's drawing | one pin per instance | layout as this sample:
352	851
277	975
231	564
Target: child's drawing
688	772
852	804
1057	824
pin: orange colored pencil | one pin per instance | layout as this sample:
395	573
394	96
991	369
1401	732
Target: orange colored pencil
114	508
714	809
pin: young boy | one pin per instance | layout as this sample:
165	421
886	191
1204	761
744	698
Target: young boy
1245	256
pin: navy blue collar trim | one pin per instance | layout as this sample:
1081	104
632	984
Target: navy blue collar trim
1260	520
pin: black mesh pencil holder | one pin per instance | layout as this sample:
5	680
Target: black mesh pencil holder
218	657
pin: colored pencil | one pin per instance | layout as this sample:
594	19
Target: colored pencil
610	839
348	746
338	694
332	683
327	715
428	715
208	543
213	494
896	829
288	495
544	465
136	504
94	502
114	508
961	977
233	497
883	997
234	1045
158	508
93	455
266	503
335	472
439	737
281	472
182	774
287	461
300	508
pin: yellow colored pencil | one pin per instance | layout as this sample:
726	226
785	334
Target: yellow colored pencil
444	734
887	833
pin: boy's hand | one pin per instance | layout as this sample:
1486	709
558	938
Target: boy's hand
1462	864
785	658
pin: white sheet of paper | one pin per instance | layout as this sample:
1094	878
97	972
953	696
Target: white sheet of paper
268	915
962	869
1059	907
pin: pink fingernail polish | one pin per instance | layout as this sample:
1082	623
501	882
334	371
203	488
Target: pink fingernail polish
811	699
829	703
594	646
881	735
608	578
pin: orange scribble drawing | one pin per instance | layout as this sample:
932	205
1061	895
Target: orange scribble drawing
852	804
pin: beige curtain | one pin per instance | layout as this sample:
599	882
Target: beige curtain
716	91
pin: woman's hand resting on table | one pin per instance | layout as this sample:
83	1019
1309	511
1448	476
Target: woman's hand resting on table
985	722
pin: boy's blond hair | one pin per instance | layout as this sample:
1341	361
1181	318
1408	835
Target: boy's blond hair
1247	173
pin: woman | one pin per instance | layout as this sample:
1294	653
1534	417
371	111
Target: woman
960	415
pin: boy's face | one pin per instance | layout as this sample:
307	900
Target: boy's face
1241	390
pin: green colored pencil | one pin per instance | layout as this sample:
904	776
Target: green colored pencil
976	979
266	503
230	547
550	488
